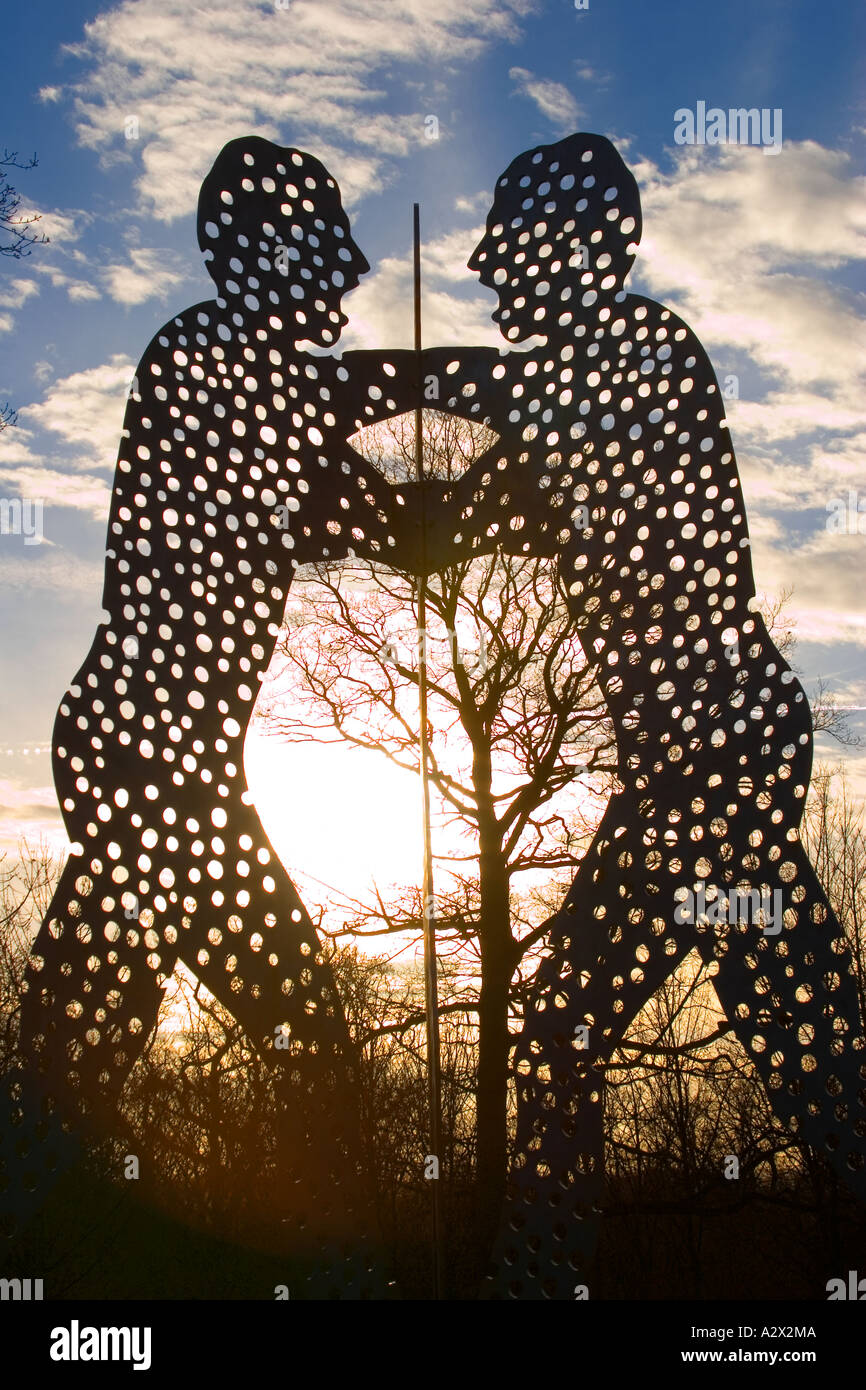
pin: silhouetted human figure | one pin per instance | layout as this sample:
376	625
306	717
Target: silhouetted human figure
614	455
232	471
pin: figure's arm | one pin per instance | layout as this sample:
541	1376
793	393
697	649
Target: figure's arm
478	384
475	382
370	386
518	491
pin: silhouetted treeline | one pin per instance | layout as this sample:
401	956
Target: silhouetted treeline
706	1195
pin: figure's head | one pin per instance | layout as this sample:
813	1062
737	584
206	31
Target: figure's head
276	239
561	236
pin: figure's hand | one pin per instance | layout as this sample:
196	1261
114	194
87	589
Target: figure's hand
439	524
423	522
378	385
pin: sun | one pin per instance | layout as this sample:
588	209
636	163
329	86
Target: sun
347	818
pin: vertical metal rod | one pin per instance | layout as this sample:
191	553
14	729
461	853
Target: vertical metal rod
431	990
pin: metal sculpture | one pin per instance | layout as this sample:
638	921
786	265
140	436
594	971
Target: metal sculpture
614	455
614	458
233	470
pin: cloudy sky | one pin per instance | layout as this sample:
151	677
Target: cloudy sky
127	105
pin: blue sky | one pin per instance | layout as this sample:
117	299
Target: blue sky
764	256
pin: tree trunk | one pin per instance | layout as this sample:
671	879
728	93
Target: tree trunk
493	1037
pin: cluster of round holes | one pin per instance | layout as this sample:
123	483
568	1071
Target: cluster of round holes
233	471
614	456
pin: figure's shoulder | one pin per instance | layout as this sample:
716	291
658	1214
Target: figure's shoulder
666	343
166	363
376	359
368	368
462	361
176	343
647	322
198	324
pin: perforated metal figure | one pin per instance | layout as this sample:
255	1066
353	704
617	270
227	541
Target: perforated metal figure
232	471
614	454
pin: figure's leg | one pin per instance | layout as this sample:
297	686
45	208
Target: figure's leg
791	999
92	992
250	941
93	984
611	947
790	995
93	989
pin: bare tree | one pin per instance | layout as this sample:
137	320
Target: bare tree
27	882
834	836
521	751
17	237
827	716
681	1098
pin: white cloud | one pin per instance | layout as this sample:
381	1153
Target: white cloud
86	410
56	487
14	448
552	99
382	314
735	240
66	481
13	297
446	257
30	811
825	573
63	228
59	280
824	470
79	291
315	73
478	203
746	249
51	569
380	310
149	273
788	414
